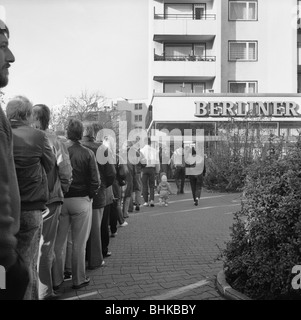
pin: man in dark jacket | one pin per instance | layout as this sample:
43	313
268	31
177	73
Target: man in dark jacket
77	209
33	159
15	274
107	176
59	180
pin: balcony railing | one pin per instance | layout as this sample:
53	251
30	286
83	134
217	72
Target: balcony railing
184	58
185	16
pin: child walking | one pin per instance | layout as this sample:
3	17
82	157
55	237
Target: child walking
163	190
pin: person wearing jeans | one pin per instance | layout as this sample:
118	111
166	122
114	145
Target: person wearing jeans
107	175
196	178
77	209
77	214
59	180
148	183
32	167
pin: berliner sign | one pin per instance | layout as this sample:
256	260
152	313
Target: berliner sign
243	109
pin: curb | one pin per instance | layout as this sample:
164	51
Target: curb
226	290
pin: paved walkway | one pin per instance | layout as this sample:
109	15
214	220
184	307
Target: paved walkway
165	253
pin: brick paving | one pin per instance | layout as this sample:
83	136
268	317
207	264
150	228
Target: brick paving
165	253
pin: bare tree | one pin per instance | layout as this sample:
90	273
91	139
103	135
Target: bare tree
84	104
83	107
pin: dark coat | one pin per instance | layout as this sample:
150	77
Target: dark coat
106	171
8	190
85	175
60	177
33	159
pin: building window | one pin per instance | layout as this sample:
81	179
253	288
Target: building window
185	11
186	87
242	50
290	128
184	51
242	10
138	117
138	106
242	87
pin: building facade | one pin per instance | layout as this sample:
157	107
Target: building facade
210	59
137	110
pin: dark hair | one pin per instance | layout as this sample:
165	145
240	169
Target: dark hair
75	130
89	130
42	113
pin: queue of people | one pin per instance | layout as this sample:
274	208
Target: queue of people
62	198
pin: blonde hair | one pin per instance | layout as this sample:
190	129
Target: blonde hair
19	108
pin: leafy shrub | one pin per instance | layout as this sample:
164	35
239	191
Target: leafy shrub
240	143
266	234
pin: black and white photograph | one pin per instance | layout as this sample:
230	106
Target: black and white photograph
150	153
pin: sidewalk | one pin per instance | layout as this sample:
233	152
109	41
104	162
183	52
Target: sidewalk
165	253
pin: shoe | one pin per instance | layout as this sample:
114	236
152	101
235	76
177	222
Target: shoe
108	254
124	224
53	296
56	288
196	202
166	204
137	208
97	267
152	203
126	216
145	204
67	275
113	235
85	283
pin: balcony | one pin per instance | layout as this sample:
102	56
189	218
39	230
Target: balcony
193	67
167	26
179	16
184	58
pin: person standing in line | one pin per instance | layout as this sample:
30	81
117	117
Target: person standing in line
150	168
116	214
178	165
131	183
34	159
138	167
197	179
107	175
17	274
59	180
77	209
105	155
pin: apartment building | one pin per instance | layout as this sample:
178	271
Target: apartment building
211	59
137	109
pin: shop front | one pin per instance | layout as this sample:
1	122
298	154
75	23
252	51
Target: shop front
186	114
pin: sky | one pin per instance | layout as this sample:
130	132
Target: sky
65	47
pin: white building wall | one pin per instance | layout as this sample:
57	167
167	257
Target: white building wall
276	68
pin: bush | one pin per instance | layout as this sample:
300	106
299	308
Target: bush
266	234
240	143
